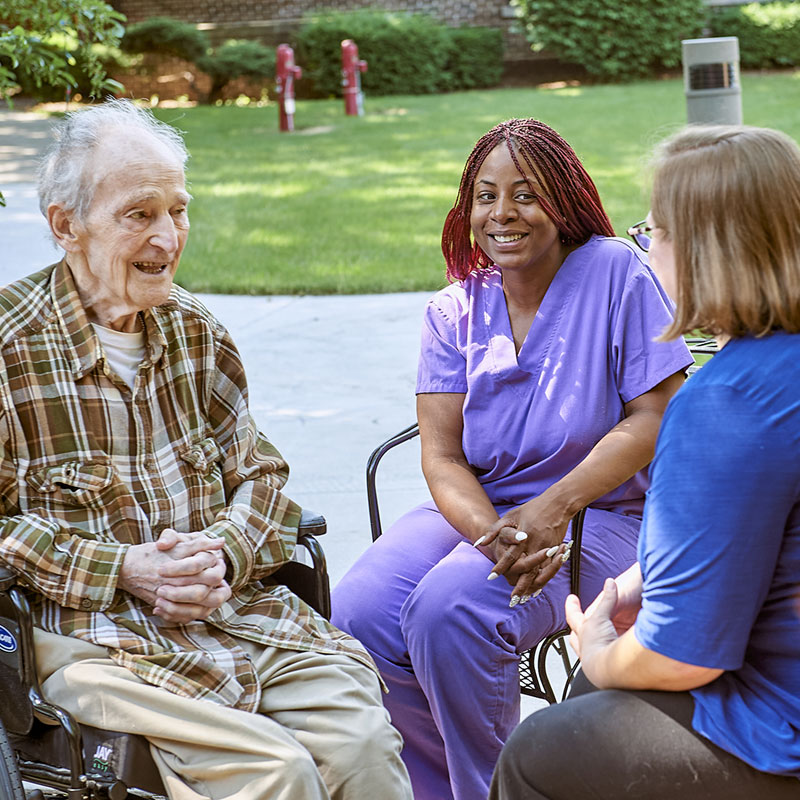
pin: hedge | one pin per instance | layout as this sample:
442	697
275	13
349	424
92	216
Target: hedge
769	33
405	53
165	36
615	40
233	59
237	58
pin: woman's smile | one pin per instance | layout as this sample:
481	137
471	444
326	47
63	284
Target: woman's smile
507	220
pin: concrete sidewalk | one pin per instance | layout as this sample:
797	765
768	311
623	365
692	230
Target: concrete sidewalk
330	377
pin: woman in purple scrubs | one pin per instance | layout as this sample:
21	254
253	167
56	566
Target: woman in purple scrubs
540	391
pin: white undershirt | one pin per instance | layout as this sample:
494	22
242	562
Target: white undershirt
124	351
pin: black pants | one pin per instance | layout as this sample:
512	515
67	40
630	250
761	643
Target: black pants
604	745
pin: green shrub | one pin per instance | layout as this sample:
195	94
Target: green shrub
476	57
235	59
405	53
769	33
171	37
167	37
612	39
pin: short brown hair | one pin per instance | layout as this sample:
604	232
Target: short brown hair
729	199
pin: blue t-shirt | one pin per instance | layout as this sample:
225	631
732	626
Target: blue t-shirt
720	547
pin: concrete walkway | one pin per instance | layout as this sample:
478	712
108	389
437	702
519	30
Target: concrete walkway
330	377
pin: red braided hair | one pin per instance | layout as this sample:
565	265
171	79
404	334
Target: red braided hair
572	204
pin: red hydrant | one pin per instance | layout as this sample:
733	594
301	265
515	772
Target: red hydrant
351	79
286	73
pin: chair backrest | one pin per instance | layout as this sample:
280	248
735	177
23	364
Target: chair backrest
16	711
534	680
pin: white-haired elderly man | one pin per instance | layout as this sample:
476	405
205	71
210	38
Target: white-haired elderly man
141	504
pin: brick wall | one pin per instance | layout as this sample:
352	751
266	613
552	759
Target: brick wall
273	21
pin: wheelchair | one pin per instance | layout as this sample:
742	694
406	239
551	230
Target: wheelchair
42	744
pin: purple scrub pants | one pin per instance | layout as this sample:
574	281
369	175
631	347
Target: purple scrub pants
448	645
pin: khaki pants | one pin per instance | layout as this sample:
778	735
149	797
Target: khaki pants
322	731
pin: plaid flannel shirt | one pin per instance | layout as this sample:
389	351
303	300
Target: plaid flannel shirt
89	467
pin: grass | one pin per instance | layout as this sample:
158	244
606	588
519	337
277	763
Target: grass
351	205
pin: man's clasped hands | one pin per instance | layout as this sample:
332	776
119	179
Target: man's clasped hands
181	575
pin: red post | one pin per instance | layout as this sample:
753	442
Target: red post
286	73
351	79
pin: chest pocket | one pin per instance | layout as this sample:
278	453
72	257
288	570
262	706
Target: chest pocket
75	483
205	491
203	456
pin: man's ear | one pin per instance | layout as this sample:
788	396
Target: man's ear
63	228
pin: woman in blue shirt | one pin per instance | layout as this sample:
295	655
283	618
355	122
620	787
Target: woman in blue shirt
691	658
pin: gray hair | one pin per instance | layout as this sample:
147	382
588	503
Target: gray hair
65	172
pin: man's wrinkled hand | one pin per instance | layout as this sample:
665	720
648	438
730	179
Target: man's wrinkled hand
182	575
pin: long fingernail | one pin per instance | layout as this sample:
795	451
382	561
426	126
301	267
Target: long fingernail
514	600
536	593
551	551
565	557
520	536
492	575
525	599
478	541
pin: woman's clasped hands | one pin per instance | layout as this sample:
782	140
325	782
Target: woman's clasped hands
527	544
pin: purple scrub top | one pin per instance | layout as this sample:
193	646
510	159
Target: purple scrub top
531	418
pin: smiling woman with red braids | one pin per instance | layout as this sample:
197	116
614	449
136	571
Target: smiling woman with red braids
540	391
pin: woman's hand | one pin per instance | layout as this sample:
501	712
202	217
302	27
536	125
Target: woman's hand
613	660
527	545
622	452
629	599
593	630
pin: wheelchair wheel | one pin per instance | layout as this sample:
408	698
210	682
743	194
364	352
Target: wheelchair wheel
10	781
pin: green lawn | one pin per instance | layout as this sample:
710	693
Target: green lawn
348	205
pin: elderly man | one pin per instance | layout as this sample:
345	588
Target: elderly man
142	506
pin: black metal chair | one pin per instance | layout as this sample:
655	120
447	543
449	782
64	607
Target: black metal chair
533	677
42	744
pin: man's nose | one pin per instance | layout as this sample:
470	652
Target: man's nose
165	234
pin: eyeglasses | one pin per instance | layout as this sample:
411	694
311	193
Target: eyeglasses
640	233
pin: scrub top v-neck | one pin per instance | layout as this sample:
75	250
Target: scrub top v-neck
531	417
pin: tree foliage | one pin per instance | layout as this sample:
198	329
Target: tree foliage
43	39
612	39
768	33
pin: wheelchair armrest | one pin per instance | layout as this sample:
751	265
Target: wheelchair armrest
311	523
309	582
7	578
